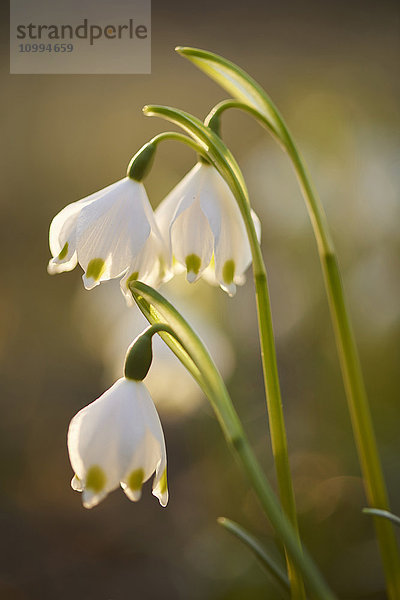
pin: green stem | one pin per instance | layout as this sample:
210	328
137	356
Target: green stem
299	559
353	379
142	162
270	372
273	397
348	355
157	328
195	355
224	161
178	137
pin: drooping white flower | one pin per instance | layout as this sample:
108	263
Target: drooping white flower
110	233
118	440
201	221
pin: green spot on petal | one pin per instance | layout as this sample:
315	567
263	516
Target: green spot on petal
135	480
132	277
95	269
63	252
95	479
163	482
162	268
228	271
193	263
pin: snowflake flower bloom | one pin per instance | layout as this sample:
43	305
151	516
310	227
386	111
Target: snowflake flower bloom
202	223
110	233
118	440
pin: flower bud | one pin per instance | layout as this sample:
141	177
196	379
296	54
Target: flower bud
214	123
139	357
142	162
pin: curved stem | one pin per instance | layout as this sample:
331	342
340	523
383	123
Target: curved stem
156	308
158	327
273	394
269	363
353	378
349	359
298	559
214	116
178	137
226	164
141	163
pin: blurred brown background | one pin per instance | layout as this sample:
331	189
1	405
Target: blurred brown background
333	70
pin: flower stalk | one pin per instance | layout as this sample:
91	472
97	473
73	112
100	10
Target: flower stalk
274	400
251	97
353	379
222	159
359	409
197	360
140	164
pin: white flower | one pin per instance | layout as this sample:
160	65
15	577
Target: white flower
201	220
118	440
110	233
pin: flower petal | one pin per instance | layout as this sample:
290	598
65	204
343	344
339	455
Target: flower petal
166	211
160	485
62	239
91	498
150	453
205	224
59	265
105	434
151	265
179	215
232	249
62	225
76	484
62	233
117	439
113	229
192	240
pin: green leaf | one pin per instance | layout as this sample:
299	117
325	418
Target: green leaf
239	84
258	550
378	512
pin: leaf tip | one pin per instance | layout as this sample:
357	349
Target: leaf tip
188	51
184	50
